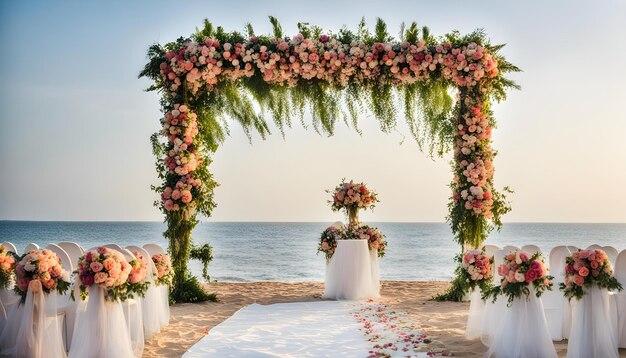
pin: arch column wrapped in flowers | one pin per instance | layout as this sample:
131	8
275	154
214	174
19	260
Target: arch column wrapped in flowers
215	75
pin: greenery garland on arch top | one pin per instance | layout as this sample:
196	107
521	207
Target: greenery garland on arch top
215	75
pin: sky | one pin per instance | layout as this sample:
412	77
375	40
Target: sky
75	121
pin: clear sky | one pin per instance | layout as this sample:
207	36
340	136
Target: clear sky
75	123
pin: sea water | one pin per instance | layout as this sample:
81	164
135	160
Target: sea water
263	251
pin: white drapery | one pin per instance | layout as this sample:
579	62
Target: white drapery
521	331
352	273
100	329
593	331
474	326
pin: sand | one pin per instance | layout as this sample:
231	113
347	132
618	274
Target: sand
443	321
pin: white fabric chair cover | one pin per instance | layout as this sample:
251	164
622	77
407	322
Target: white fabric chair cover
74	250
531	249
349	273
493	310
522	331
9	246
555	305
8	298
65	304
594	247
572	249
474	327
592	334
509	248
620	298
151	304
33	329
490	250
101	330
164	290
30	247
611	252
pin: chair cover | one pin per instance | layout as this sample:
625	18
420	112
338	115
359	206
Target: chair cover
164	290
9	246
594	247
474	327
30	247
100	330
8	298
33	329
493	310
490	250
522	331
151	304
611	252
349	273
592	333
620	297
509	248
531	249
555	305
74	250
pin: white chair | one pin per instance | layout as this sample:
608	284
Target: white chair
594	247
620	297
30	247
508	248
554	304
151	304
531	249
490	250
154	249
74	250
572	249
611	252
115	247
9	246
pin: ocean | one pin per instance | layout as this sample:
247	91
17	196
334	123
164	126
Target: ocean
264	251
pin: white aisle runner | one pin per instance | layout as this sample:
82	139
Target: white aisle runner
303	329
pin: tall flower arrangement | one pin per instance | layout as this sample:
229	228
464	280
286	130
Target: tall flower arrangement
352	197
214	75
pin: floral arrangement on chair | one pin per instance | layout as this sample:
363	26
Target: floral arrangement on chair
586	268
163	264
106	268
7	266
477	269
352	197
40	270
328	240
139	271
520	270
375	238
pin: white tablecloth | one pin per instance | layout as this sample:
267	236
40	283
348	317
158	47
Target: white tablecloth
352	272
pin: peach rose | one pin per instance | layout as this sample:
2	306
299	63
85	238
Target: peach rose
109	264
100	277
96	266
579	280
583	271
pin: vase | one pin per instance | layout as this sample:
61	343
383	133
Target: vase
353	216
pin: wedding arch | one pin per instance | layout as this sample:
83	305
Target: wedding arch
444	87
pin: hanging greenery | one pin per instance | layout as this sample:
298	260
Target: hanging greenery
441	86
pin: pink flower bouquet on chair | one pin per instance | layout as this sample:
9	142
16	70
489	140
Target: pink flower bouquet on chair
163	264
106	268
7	266
40	270
586	268
519	271
476	269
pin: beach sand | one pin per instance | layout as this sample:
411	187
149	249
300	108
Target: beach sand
443	321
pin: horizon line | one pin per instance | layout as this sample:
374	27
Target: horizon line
302	222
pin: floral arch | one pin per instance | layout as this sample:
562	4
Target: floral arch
216	75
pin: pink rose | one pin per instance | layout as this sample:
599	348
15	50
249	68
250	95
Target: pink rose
579	280
594	264
96	266
583	271
531	275
109	264
100	277
186	196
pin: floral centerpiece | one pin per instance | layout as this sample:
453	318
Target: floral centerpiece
7	266
328	240
476	269
520	270
106	268
137	282
40	270
352	197
163	265
587	268
375	238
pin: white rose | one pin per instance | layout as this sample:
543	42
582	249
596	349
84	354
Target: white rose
519	277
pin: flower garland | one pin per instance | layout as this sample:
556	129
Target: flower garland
519	271
214	75
587	268
328	240
40	270
7	267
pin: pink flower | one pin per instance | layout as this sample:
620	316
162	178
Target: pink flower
531	275
186	196
579	280
109	264
96	266
100	277
583	271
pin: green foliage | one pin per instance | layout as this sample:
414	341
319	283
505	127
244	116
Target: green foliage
462	284
278	30
203	254
190	290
